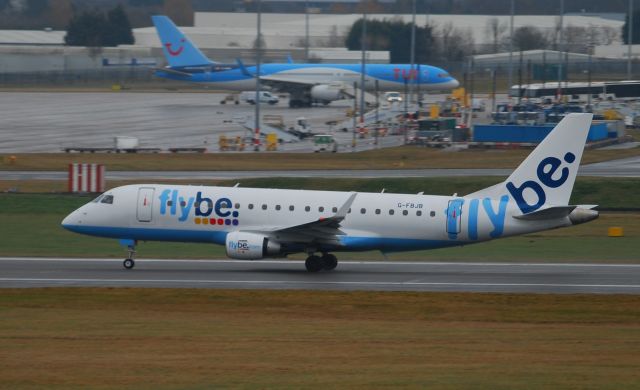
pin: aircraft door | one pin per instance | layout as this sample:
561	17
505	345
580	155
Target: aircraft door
454	217
145	204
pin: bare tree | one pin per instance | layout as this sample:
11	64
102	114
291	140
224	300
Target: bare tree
577	38
180	11
609	35
61	13
529	38
335	39
553	37
456	43
494	31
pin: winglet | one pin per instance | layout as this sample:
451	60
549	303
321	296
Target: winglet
243	68
342	212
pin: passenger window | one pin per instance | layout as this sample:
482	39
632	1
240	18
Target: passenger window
169	203
307	208
433	213
237	205
335	209
250	206
378	211
405	212
391	212
418	213
264	206
278	207
320	209
349	212
363	211
291	208
108	199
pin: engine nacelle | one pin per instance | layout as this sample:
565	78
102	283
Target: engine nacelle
250	246
327	92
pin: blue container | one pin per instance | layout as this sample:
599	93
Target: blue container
528	134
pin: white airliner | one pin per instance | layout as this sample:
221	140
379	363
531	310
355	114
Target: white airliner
256	223
306	83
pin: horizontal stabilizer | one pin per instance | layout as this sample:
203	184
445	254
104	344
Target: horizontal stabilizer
548	213
243	68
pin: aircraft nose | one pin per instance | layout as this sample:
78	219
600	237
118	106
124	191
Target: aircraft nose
72	220
453	83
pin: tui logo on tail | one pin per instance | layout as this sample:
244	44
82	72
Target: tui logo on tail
175	53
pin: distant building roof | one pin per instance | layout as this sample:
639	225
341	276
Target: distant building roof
535	56
32	37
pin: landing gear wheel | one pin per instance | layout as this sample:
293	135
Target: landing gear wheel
330	261
129	263
314	263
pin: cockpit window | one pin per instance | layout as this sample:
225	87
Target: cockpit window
108	199
96	200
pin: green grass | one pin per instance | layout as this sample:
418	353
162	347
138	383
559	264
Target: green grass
179	338
31	226
609	193
403	157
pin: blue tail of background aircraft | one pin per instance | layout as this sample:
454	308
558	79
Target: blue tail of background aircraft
178	49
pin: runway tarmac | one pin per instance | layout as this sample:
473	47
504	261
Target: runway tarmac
288	274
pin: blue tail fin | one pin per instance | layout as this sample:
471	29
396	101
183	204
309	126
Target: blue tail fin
177	48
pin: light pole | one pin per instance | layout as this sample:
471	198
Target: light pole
355	113
256	139
589	79
306	31
629	39
377	113
510	73
560	47
363	69
413	50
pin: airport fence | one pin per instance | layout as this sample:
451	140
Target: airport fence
480	75
80	78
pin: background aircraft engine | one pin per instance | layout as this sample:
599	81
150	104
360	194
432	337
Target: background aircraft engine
327	93
250	246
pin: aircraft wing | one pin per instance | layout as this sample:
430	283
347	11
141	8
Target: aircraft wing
173	71
275	80
286	80
321	231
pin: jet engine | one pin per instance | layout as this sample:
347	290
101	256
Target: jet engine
250	246
327	92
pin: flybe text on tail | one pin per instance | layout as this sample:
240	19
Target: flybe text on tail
547	175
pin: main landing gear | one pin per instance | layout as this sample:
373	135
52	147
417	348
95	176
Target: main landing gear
129	263
327	262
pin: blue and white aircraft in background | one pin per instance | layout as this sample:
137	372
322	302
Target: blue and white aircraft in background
255	223
306	83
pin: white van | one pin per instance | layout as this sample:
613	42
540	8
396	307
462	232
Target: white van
393	97
324	143
265	97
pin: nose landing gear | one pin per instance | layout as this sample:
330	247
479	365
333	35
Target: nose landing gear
327	262
129	263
